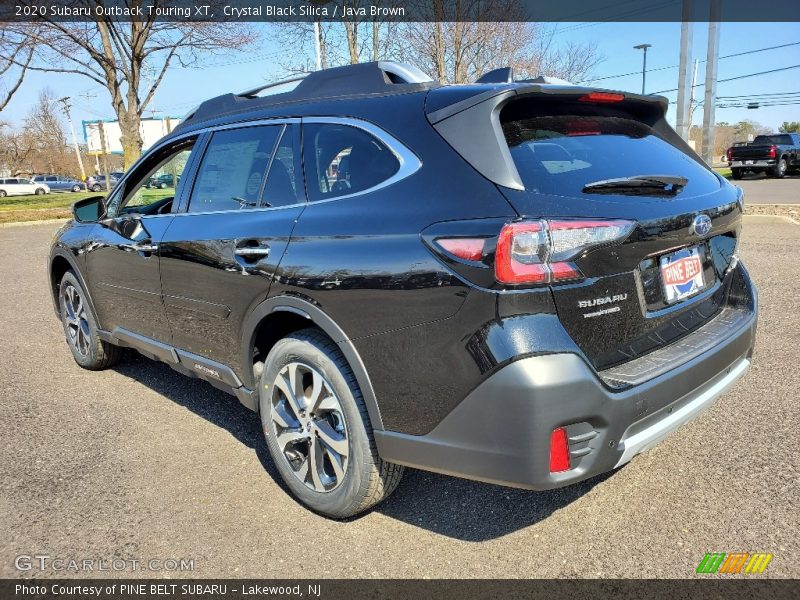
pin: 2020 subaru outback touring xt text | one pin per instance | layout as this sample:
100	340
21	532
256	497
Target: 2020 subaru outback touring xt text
514	282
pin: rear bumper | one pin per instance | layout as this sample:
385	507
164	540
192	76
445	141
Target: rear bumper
500	433
752	164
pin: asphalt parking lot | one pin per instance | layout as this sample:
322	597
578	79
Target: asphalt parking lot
140	462
760	189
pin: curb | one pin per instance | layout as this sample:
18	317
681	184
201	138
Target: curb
771	219
26	223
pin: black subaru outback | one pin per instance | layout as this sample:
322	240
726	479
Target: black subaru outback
517	282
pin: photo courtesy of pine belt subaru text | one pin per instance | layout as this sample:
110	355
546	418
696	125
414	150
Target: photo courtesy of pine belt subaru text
526	283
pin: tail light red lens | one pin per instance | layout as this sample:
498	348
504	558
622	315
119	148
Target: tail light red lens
540	252
729	154
463	248
602	97
559	451
773	152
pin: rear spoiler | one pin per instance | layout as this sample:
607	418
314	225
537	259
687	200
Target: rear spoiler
468	117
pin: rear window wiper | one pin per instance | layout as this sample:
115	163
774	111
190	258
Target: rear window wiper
639	185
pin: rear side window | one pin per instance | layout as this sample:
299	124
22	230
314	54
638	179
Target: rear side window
777	140
559	150
234	167
342	160
284	183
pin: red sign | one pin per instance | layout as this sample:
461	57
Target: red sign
682	270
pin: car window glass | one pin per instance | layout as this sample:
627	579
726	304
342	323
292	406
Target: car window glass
231	174
139	194
51	178
343	160
11	181
282	187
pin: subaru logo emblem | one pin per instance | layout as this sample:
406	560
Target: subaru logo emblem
701	225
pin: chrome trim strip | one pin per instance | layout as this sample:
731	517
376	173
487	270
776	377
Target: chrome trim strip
409	162
647	438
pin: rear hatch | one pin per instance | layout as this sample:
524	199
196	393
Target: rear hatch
750	152
614	157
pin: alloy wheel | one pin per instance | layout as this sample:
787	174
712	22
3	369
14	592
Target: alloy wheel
309	427
76	321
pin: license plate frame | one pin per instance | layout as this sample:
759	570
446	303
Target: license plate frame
682	274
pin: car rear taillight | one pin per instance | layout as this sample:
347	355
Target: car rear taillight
463	248
559	451
540	252
729	154
773	151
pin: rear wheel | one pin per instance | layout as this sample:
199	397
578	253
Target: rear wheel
317	428
89	351
39	191
96	188
2	193
779	170
736	173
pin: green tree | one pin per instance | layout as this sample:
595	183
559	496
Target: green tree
790	127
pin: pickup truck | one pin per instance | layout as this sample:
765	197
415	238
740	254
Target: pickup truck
772	154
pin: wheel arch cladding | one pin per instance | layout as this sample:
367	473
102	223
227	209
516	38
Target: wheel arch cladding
60	264
303	312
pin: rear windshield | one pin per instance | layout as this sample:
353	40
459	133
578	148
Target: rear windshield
561	153
778	140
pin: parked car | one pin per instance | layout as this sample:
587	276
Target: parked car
771	154
97	183
520	283
19	186
60	183
164	181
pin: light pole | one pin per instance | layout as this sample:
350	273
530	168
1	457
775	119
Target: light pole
644	48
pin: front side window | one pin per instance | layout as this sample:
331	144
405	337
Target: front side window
343	160
140	195
234	167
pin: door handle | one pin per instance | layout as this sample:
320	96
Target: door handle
146	247
251	252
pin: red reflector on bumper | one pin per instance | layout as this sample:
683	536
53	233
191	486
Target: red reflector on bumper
559	451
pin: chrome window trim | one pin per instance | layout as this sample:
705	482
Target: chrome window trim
409	162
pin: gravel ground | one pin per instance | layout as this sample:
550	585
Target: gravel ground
140	462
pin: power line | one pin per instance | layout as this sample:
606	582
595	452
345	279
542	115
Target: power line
772	94
735	78
701	61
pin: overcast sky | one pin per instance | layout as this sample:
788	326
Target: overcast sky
185	88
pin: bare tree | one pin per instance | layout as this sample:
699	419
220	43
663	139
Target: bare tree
14	65
130	59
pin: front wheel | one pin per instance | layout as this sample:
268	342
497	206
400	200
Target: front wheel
88	350
317	428
76	188
2	193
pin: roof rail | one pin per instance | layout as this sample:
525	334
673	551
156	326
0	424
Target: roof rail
506	75
362	78
255	91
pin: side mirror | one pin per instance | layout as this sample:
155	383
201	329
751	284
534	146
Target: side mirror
89	210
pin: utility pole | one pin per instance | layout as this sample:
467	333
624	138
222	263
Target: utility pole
66	106
712	59
644	61
692	104
683	117
104	150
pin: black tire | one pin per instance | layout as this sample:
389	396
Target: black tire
96	188
162	185
366	479
76	188
736	173
80	328
779	170
2	193
39	191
